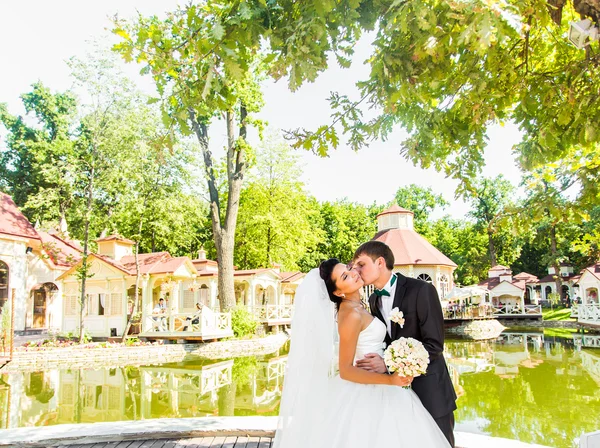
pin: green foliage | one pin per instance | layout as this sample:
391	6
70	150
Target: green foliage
243	323
421	201
243	370
557	314
276	215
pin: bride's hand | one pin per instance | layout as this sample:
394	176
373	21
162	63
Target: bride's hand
398	380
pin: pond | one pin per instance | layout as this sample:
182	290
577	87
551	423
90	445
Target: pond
523	386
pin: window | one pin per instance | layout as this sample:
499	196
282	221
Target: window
95	304
71	305
116	304
444	284
425	278
188	300
3	284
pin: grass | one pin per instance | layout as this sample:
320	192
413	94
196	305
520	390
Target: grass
557	314
559	332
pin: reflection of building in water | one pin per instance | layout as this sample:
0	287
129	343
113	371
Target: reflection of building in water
29	399
586	340
262	393
591	364
467	357
180	392
88	396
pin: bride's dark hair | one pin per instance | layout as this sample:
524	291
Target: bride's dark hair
325	271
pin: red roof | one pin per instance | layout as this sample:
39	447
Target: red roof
147	261
394	209
499	267
526	277
62	252
411	248
115	238
594	270
287	277
491	283
12	221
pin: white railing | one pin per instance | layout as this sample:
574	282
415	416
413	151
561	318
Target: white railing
468	312
516	310
575	311
533	309
268	313
206	323
589	313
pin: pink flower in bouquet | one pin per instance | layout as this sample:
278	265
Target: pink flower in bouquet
406	357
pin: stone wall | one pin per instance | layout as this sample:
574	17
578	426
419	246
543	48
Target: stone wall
74	357
539	323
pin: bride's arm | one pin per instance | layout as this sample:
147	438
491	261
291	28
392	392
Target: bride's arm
349	329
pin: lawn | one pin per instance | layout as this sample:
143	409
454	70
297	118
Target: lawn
557	314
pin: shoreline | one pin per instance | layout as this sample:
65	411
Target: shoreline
120	356
168	428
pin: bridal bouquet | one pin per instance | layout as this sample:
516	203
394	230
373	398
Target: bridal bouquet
406	357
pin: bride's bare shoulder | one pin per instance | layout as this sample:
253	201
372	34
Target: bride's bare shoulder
349	318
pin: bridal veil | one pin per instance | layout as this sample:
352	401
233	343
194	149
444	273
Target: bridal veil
310	361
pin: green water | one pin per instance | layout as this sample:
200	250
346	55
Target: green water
522	386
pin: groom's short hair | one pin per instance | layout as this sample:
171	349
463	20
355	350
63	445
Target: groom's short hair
374	250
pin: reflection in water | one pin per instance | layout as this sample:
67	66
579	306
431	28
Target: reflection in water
521	386
527	387
243	386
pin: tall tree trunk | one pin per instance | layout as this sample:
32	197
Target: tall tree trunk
555	263
492	249
224	230
84	264
138	277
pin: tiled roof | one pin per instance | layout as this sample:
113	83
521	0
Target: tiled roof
118	238
147	261
411	248
499	267
12	221
287	277
527	277
593	269
61	251
395	209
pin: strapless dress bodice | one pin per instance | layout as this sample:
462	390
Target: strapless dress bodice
371	339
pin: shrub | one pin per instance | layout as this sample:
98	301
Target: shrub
242	322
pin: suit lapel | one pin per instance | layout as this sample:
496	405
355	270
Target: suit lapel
398	296
375	304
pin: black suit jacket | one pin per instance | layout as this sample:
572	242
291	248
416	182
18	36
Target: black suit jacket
424	321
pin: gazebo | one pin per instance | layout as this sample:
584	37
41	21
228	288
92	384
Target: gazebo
414	255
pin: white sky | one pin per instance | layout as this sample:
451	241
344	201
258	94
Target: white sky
39	36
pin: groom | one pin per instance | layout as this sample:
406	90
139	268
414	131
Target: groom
423	320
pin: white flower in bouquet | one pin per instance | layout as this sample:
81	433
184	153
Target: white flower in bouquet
397	316
406	357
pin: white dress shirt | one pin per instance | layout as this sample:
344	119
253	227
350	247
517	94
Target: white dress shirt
387	303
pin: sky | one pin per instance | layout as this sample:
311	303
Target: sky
39	36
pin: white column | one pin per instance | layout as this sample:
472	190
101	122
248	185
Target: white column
213	288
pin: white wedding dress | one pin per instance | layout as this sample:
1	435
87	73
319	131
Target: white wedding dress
374	415
321	410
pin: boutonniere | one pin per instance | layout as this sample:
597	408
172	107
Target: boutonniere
397	316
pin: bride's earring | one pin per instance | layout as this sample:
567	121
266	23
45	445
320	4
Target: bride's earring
343	296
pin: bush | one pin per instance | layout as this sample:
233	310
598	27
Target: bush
242	322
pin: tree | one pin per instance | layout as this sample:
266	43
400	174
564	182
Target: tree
346	226
35	166
206	62
547	206
447	71
421	201
274	223
491	200
466	244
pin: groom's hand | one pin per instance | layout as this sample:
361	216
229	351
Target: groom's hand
372	362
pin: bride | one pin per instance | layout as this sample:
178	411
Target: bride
355	408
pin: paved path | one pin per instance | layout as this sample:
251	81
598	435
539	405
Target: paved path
199	442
